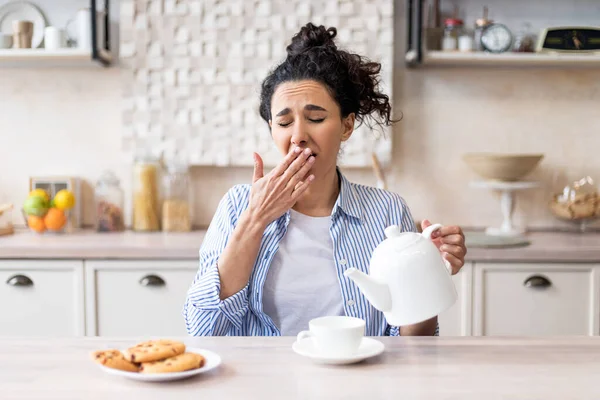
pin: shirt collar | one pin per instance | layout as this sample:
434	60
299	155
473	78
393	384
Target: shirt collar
348	199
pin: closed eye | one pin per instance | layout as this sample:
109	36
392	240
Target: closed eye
284	124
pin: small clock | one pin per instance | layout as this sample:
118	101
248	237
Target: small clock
570	40
496	38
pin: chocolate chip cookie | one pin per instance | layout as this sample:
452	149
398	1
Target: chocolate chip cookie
182	362
114	359
154	350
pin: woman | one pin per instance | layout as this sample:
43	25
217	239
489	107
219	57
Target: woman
275	252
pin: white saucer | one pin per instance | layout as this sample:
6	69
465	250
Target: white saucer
213	360
368	348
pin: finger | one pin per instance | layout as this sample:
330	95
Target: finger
456	263
425	223
258	168
287	160
301	187
456	251
453	239
450	230
301	174
296	165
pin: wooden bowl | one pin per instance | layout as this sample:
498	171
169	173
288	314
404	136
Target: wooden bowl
502	167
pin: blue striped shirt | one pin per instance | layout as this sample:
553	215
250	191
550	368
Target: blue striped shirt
358	219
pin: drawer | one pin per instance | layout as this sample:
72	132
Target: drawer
138	298
528	299
41	298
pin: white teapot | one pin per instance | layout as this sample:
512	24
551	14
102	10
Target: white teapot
409	280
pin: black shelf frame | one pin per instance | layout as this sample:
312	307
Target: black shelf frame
97	55
414	34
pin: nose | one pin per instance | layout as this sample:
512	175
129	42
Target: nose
300	135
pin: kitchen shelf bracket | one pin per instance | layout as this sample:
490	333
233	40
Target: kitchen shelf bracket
414	34
101	54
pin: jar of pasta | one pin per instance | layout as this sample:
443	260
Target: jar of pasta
176	206
145	196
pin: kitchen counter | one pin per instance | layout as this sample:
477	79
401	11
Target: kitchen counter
87	244
267	368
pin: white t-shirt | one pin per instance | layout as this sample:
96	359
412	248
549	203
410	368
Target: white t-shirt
302	281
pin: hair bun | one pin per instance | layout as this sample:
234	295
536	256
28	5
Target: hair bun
311	36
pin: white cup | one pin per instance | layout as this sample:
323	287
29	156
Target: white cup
335	336
54	38
5	41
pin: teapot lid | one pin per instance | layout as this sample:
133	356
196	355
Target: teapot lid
399	239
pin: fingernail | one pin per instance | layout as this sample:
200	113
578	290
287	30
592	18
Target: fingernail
297	150
311	178
307	151
311	159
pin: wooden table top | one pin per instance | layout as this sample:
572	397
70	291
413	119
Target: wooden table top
267	368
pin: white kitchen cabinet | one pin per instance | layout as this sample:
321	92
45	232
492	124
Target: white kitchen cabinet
137	297
456	321
41	298
535	299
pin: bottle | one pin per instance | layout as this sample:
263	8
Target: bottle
453	29
465	42
146	201
176	206
109	198
480	26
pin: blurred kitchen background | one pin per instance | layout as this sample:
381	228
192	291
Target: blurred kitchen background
79	121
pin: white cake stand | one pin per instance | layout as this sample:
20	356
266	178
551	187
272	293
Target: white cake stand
507	204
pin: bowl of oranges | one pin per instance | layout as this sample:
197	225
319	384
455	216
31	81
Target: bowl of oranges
45	214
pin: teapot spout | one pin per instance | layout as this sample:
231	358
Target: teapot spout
376	292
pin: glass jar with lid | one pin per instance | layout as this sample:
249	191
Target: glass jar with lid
176	205
146	193
453	29
109	199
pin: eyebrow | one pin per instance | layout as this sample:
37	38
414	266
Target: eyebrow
309	107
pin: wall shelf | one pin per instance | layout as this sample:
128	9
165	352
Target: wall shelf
441	58
42	57
515	16
97	53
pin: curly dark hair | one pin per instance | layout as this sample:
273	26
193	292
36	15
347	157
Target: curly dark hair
352	80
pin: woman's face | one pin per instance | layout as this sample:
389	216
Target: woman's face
304	114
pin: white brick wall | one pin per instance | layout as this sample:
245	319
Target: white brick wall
195	68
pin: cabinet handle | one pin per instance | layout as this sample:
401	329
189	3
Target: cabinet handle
152	280
537	282
19	280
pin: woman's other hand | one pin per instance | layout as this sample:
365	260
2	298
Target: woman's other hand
275	193
450	241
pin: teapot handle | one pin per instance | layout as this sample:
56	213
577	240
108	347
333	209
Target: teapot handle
430	229
427	232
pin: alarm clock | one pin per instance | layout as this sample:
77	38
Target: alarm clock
496	38
569	40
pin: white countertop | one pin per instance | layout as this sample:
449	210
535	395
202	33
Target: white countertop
87	244
266	368
90	244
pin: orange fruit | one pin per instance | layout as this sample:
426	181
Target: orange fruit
36	223
55	219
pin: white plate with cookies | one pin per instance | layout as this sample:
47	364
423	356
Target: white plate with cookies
157	361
